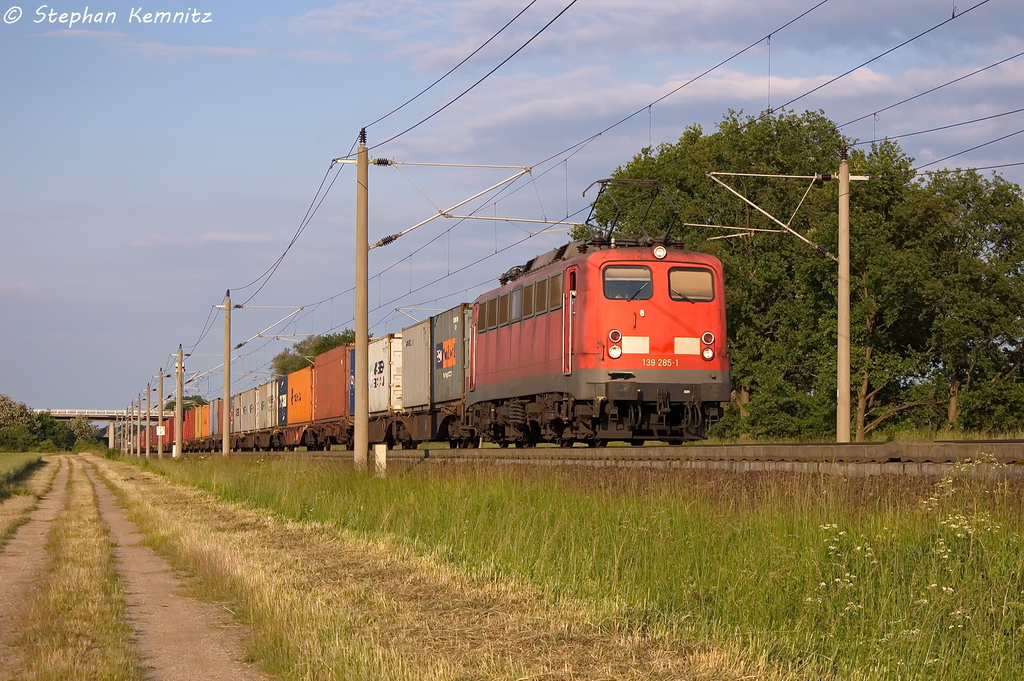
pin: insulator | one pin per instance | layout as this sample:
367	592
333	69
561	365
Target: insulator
381	162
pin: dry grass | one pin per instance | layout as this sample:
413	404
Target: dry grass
14	510
325	603
75	628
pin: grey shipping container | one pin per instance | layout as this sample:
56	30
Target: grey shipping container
450	340
417	360
385	357
216	406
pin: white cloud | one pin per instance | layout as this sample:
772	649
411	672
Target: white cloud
179	51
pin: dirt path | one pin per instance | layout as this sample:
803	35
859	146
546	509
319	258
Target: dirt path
178	638
22	562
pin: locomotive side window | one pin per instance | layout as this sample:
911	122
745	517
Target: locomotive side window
541	293
693	285
503	309
492	313
555	292
627	282
527	301
516	305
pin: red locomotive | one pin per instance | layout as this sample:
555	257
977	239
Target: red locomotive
600	341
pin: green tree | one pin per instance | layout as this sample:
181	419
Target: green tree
57	433
12	412
82	428
16	437
187	402
890	316
977	294
301	354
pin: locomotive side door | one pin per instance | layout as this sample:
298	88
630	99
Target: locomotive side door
568	317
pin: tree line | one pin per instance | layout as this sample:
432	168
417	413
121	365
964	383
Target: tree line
937	276
22	430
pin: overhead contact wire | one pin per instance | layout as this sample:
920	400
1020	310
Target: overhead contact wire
931	90
482	79
453	69
889	51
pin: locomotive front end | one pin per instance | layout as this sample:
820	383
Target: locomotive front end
650	342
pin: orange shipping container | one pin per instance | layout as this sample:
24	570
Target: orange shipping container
200	421
300	396
330	389
205	416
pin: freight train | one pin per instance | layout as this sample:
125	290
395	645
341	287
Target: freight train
599	340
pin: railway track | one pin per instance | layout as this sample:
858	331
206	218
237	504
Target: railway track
854	459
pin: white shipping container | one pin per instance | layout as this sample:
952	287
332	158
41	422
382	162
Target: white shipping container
417	365
266	405
248	416
386	374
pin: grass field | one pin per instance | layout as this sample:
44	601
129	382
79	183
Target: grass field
873	578
14	467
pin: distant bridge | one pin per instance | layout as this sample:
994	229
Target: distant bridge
100	414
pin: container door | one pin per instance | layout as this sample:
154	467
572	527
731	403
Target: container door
568	318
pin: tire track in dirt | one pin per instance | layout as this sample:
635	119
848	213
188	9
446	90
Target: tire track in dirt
23	561
177	638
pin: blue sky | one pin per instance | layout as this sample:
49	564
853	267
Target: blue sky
145	168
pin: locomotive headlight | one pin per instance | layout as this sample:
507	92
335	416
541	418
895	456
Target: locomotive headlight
615	336
708	353
615	352
660	252
708	338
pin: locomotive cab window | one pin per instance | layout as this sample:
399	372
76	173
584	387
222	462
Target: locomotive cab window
690	284
627	282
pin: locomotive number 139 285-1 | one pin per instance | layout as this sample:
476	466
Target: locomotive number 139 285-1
662	362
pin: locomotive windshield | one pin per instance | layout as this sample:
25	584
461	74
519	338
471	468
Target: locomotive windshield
627	282
692	285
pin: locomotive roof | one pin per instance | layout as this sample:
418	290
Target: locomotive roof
577	248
